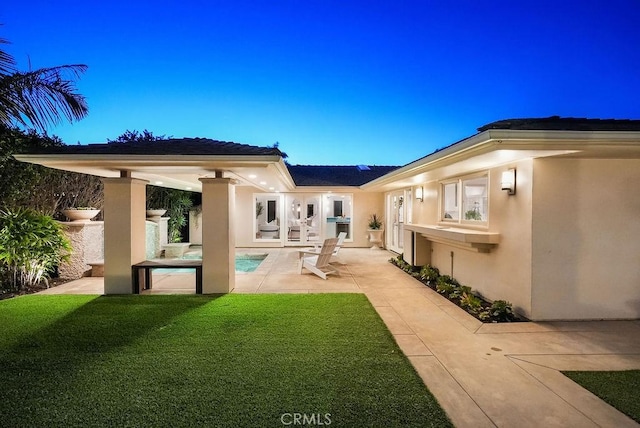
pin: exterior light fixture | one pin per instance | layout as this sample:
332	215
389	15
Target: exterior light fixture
420	193
508	181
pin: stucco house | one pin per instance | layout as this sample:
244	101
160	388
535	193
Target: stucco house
540	212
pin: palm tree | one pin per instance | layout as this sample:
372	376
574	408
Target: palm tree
41	97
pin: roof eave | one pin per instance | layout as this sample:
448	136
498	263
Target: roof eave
547	141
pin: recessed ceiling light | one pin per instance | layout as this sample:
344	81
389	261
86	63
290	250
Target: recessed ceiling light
270	188
158	182
263	182
252	176
189	188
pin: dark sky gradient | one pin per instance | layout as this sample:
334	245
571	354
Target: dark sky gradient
334	82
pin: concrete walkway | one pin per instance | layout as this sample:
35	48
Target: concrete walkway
483	375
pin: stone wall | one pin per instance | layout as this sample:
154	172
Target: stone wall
87	243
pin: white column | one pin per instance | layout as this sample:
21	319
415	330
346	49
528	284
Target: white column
218	235
124	231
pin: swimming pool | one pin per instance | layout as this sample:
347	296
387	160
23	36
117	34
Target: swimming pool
249	262
244	262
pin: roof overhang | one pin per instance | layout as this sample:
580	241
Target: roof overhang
265	172
493	148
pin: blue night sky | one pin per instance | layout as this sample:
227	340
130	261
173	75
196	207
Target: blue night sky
334	82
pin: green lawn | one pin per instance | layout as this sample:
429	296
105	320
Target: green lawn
618	388
236	360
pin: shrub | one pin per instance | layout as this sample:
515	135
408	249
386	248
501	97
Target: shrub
449	280
501	310
471	302
444	288
429	274
446	285
31	246
399	261
458	292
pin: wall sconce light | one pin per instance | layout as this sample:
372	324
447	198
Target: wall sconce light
509	181
419	193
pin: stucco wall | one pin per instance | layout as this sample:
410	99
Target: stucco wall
505	272
365	204
586	246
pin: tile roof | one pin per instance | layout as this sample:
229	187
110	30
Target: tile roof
557	123
174	146
356	175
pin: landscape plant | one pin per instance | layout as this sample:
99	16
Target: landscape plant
31	246
462	295
429	274
176	202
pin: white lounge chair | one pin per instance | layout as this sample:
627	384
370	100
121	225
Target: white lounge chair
334	257
318	262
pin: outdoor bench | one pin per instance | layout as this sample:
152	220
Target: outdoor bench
97	268
141	272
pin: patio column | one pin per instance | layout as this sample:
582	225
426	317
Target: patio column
218	235
124	231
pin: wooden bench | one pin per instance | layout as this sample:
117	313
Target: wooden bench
141	272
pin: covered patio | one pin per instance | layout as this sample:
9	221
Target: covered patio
211	167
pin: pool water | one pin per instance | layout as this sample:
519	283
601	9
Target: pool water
244	263
249	262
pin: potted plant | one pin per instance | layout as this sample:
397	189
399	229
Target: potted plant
375	231
81	214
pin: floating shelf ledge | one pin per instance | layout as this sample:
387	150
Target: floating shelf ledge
468	239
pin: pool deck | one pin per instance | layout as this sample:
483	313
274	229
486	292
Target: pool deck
483	375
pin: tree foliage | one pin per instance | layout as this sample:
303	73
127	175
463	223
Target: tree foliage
46	190
137	137
39	98
177	204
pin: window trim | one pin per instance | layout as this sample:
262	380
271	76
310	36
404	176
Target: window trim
459	181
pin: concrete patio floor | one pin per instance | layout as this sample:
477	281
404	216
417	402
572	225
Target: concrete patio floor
483	375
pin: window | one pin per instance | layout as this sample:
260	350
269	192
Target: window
450	201
471	205
267	216
474	199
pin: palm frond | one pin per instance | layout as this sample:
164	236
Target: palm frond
42	97
7	62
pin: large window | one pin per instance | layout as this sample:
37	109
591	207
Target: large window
466	200
267	215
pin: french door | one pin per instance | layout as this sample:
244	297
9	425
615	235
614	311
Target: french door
398	207
304	219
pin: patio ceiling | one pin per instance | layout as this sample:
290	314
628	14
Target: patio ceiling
266	172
